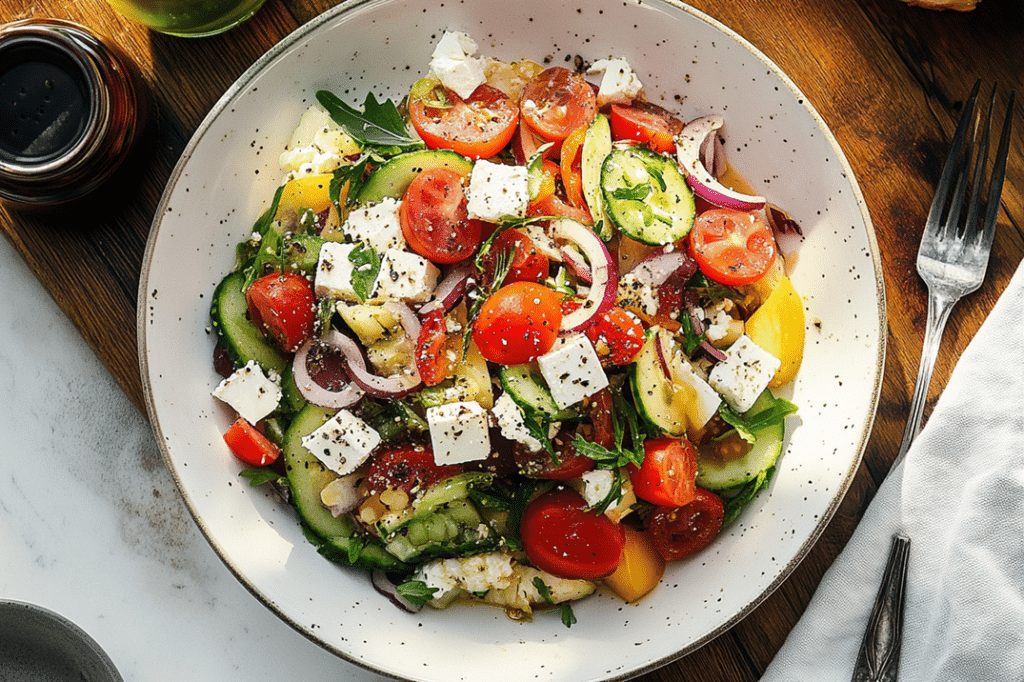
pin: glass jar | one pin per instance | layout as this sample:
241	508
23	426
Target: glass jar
72	109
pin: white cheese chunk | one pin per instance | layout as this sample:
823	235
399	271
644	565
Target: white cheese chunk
619	85
405	276
572	370
453	64
458	432
510	420
342	443
250	392
377	225
597	485
744	374
637	295
497	191
334	272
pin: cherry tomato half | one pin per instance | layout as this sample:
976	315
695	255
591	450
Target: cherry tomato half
528	264
249	445
617	335
732	247
668	474
678	532
478	127
518	323
432	358
284	307
435	220
405	467
556	102
646	122
561	537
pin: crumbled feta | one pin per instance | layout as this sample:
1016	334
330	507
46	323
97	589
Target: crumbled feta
318	145
619	85
342	443
405	276
744	374
572	370
377	225
334	272
597	484
250	392
637	295
497	191
475	575
459	432
510	420
453	64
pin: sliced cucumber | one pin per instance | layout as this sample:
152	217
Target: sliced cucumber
646	196
394	177
307	477
529	392
240	337
597	145
718	474
656	399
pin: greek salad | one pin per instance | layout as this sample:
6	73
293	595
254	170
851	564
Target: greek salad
511	339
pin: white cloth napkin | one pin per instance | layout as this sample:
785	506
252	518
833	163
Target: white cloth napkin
959	495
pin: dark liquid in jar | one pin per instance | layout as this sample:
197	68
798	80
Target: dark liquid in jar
44	106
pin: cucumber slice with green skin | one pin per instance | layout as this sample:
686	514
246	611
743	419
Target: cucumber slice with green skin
646	196
715	474
529	392
653	394
597	145
307	477
242	339
394	177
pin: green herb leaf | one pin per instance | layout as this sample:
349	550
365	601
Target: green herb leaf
416	592
366	267
568	617
261	475
378	124
634	193
739	497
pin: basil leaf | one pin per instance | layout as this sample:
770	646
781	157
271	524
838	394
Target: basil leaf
416	592
378	124
366	267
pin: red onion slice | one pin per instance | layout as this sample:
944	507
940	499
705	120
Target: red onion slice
689	144
406	316
451	288
397	386
575	262
604	275
382	584
658	267
346	396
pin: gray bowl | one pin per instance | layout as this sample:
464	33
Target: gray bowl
38	645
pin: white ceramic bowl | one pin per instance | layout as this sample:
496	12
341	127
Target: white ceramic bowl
689	63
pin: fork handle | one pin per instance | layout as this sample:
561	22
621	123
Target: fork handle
939	308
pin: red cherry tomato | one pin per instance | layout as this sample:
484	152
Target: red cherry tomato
406	467
539	464
528	264
678	532
435	220
249	445
572	166
518	323
646	122
432	361
556	102
555	206
617	335
284	307
478	127
668	474
732	247
561	537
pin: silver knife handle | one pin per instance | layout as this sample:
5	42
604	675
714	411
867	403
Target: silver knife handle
879	657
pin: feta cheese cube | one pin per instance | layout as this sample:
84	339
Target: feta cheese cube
342	443
744	374
572	370
453	64
377	226
458	432
334	272
405	276
250	392
619	85
497	191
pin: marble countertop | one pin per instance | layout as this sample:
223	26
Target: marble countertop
92	526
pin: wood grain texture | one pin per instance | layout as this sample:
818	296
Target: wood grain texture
889	79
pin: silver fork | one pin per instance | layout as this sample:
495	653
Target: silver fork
952	261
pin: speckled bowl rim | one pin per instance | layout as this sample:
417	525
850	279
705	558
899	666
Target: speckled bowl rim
865	427
55	631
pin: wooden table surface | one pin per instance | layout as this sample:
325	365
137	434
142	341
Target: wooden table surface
889	79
